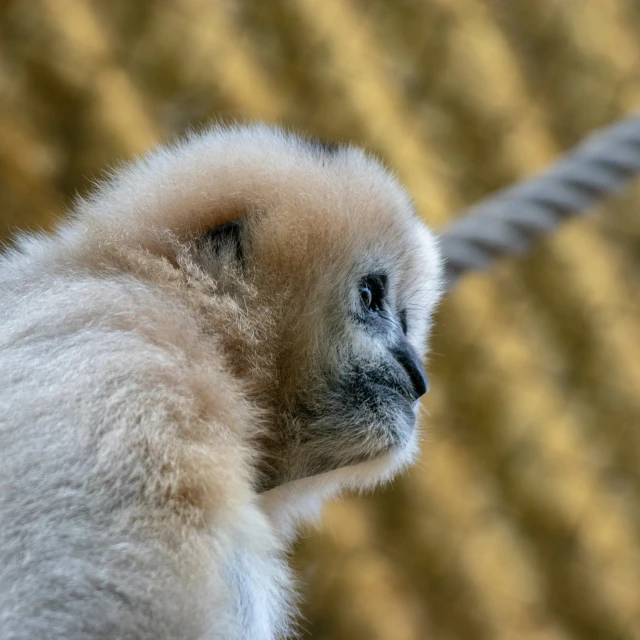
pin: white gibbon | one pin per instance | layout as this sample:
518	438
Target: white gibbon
225	334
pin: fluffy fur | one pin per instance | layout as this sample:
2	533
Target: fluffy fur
175	395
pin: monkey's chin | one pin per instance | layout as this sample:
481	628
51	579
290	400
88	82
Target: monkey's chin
301	500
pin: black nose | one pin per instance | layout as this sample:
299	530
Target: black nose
408	357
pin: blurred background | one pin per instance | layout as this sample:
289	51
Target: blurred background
522	519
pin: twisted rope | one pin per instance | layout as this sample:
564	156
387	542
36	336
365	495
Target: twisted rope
510	221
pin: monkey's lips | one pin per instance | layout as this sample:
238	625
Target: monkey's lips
396	390
397	398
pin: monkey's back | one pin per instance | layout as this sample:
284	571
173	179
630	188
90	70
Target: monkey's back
125	503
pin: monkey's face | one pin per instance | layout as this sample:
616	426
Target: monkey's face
349	318
358	397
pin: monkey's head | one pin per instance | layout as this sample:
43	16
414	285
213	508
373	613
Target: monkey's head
345	277
333	278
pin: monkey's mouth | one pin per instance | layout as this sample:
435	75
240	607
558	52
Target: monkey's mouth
395	404
394	390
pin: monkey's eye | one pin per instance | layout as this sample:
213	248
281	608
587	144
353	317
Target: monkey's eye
366	296
371	292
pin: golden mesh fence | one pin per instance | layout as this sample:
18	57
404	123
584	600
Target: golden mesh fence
522	519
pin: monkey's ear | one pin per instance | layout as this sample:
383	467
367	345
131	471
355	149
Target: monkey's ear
223	244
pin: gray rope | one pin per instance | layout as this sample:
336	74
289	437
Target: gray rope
510	221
